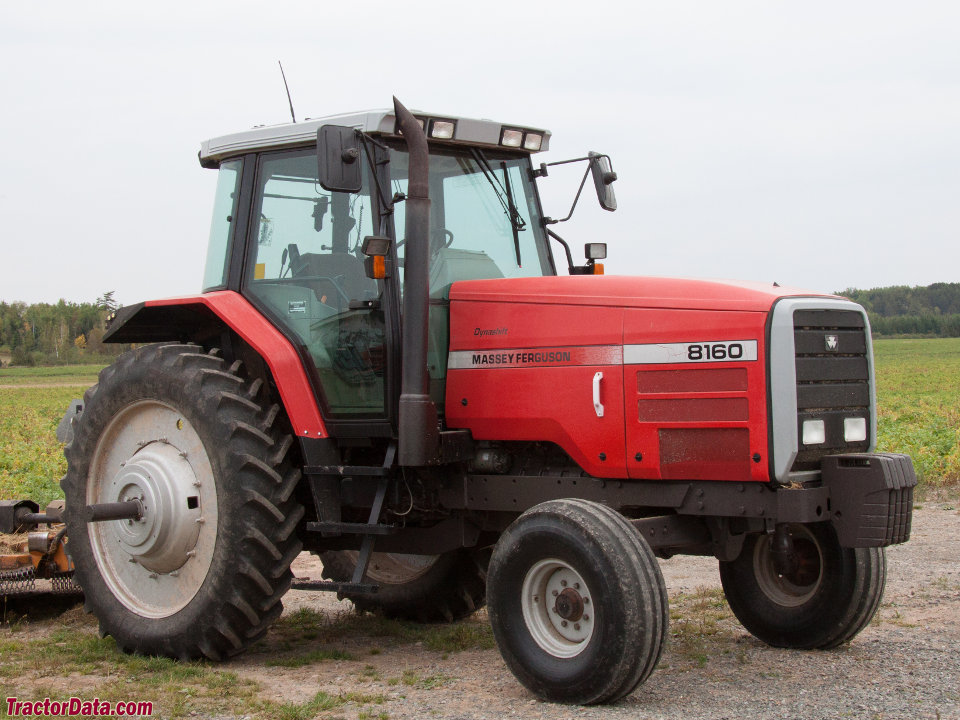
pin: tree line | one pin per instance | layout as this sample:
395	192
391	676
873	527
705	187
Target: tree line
64	333
932	310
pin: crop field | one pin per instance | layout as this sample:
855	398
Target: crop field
918	394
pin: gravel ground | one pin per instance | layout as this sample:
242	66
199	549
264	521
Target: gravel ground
906	664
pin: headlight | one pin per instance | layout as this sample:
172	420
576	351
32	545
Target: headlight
442	129
511	138
532	142
854	429
814	432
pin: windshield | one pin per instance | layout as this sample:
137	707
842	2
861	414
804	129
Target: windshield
484	217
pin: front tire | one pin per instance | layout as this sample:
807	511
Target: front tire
201	573
829	597
577	603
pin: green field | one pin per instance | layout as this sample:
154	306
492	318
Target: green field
59	374
918	392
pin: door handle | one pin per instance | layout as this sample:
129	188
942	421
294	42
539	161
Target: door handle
597	405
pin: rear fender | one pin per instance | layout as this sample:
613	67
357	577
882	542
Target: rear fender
202	318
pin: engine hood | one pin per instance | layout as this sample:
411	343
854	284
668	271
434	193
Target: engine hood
626	291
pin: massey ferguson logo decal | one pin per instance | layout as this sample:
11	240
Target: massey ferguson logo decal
536	357
831	342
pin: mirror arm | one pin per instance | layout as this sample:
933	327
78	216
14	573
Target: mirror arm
583	181
386	205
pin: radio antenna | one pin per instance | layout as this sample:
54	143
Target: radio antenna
289	100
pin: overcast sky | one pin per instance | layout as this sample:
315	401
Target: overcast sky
816	144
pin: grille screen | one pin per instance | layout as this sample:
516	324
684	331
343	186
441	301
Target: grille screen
833	379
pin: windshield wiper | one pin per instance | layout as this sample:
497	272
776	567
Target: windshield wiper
517	223
504	196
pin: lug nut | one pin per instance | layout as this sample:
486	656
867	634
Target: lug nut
576	626
563	583
555	593
586	617
563	623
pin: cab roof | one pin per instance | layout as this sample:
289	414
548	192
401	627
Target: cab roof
466	131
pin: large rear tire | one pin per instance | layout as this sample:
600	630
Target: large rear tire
577	603
423	588
201	573
830	596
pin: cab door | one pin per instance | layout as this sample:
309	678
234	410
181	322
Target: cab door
305	271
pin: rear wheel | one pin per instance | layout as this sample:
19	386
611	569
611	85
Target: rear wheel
577	603
201	573
424	588
828	597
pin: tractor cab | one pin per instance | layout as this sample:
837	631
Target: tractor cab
291	239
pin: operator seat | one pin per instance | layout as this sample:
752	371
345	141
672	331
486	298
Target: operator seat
326	272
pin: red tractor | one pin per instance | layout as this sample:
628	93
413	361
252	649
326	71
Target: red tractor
449	422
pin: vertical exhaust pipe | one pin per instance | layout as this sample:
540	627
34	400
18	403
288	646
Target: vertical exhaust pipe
418	429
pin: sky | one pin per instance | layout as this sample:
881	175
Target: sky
814	144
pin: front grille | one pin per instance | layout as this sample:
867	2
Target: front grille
833	380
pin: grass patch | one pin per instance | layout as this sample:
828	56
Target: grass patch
308	624
31	459
695	621
411	678
309	658
301	711
177	689
79	374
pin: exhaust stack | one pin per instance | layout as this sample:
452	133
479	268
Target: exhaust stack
418	427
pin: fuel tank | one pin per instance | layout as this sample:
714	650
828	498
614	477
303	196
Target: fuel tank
634	377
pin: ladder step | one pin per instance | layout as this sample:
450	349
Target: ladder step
337	587
351	528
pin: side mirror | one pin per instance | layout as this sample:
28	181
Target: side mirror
338	159
603	177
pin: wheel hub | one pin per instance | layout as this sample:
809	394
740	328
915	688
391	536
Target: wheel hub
569	605
166	486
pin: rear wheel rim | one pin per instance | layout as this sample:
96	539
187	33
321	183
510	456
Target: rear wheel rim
558	608
154	566
395	568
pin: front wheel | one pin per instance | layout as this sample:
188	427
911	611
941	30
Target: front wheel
828	597
577	602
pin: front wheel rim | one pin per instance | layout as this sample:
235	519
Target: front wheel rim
798	587
558	608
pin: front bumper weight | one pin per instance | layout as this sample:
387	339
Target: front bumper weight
871	497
